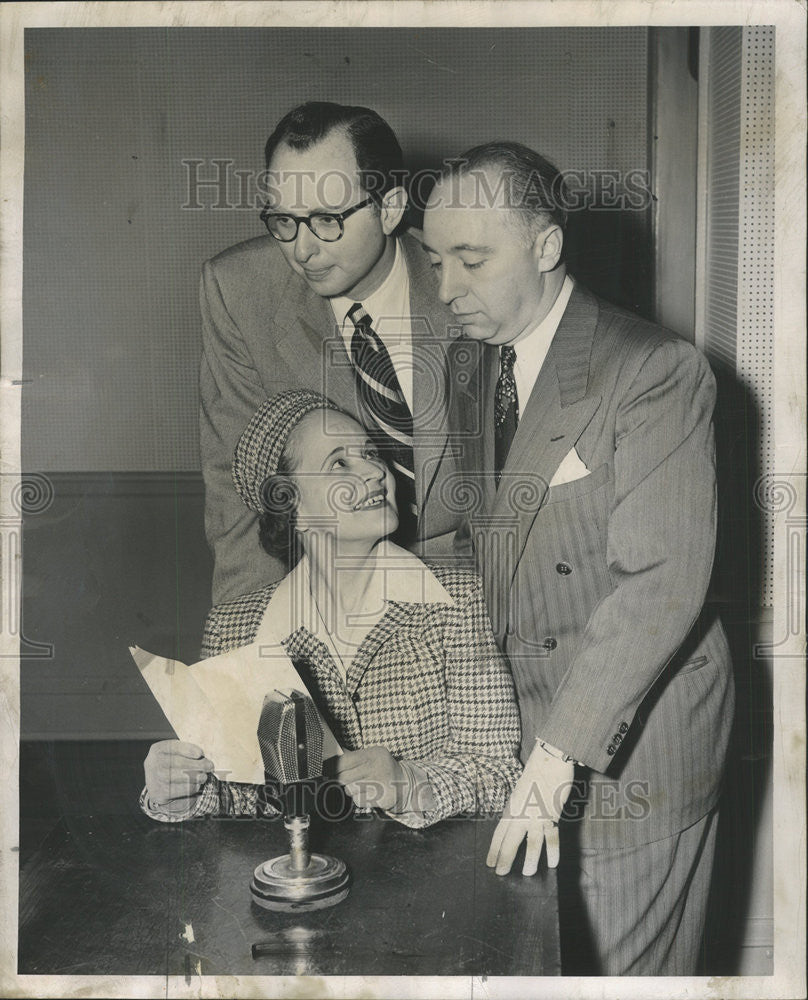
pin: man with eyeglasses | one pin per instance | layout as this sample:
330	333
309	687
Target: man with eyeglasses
332	300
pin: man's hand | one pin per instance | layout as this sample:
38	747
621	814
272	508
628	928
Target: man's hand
372	777
175	773
533	811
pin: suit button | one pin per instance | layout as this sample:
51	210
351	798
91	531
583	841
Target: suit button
610	750
624	727
550	642
617	738
563	568
355	697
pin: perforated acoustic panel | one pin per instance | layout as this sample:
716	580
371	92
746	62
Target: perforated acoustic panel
755	354
112	259
739	283
723	185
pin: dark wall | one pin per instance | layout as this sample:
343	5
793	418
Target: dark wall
112	560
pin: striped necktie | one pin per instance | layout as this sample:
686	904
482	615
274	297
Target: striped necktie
380	392
506	409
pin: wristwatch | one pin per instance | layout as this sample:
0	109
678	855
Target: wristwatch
554	751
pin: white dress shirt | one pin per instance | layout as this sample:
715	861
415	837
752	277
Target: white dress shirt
531	349
389	310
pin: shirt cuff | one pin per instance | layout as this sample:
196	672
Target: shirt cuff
418	799
206	802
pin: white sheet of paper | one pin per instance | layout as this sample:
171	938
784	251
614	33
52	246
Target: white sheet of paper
217	702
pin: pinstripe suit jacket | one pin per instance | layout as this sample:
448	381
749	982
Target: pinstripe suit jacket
427	682
596	587
264	331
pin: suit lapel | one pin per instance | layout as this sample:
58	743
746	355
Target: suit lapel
311	342
430	322
557	412
396	617
316	666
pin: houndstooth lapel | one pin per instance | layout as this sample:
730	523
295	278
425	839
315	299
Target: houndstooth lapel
318	670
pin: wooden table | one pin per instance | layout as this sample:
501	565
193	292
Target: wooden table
104	890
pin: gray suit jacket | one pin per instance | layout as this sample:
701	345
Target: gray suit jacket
265	331
596	586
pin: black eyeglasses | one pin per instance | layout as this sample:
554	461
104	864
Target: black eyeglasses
326	226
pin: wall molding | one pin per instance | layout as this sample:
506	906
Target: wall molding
119	736
125	484
759	932
757	953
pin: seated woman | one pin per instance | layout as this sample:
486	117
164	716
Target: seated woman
399	658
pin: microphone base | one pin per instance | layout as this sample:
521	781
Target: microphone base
276	885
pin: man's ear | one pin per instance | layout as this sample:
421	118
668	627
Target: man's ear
547	248
394	203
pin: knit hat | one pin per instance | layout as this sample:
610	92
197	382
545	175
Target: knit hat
260	447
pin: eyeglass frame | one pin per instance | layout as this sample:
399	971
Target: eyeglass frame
267	214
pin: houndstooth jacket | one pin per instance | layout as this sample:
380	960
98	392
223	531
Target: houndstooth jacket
427	683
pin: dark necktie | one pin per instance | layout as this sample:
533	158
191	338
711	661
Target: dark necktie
391	430
506	409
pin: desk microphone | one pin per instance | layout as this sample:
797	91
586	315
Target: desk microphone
291	740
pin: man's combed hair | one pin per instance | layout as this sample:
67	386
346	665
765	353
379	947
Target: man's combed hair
530	184
378	154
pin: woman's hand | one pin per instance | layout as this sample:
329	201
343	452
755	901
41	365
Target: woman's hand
373	777
175	774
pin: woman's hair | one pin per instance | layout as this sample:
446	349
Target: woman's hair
277	526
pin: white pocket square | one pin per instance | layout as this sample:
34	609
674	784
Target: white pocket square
571	468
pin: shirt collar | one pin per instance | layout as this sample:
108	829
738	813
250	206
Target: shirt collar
398	576
386	300
544	331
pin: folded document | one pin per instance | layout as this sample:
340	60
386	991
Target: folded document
216	703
